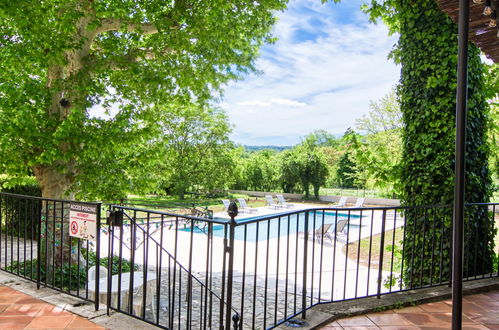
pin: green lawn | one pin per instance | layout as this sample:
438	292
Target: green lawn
363	254
170	203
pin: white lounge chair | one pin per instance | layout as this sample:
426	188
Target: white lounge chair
245	207
341	203
283	202
271	203
226	204
359	202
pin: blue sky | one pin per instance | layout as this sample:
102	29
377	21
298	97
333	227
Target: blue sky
327	65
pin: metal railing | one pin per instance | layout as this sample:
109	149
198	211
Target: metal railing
177	271
35	244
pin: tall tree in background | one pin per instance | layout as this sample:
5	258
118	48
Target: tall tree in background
195	147
59	58
384	115
427	51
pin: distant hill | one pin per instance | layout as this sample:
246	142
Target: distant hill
258	148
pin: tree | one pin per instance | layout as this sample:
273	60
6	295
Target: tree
60	58
383	115
313	169
261	170
427	52
377	155
289	171
321	138
345	171
194	142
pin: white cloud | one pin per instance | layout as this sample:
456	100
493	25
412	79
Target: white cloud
288	102
328	63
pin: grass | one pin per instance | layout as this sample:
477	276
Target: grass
174	204
360	250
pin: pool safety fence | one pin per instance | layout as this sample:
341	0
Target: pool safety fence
184	272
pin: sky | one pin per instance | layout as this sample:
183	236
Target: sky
328	64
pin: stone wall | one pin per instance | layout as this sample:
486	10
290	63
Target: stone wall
327	199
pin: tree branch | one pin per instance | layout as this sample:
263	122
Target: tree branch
114	24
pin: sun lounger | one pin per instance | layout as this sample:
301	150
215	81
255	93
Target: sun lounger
323	231
271	203
245	207
359	202
226	204
283	202
341	203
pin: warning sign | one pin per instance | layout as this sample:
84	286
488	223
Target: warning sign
83	221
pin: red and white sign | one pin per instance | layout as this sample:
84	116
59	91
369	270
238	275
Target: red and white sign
83	221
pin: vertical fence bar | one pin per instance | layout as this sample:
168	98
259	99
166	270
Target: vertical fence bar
304	283
97	256
232	210
266	276
189	274
110	253
333	270
1	231
244	275
39	245
381	253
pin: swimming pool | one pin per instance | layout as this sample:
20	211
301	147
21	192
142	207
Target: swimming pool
278	226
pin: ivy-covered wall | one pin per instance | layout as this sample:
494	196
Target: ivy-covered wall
427	52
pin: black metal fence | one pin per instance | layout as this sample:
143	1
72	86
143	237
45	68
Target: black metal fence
35	244
251	272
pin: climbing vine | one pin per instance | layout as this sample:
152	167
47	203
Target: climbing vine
427	52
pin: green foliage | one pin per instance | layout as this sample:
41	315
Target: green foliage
68	276
22	185
345	171
394	280
491	91
289	171
17	215
427	51
313	168
60	61
384	115
193	141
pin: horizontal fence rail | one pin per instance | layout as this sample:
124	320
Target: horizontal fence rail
257	272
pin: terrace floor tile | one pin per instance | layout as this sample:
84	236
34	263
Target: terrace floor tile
23	312
478	314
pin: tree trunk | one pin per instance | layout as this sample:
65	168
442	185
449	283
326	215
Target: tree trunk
54	226
53	183
316	191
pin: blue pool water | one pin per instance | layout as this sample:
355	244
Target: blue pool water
273	228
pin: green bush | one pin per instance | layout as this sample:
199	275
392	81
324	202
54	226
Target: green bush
69	277
19	214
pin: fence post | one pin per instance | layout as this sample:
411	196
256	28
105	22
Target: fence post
97	256
381	253
232	211
304	284
39	245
